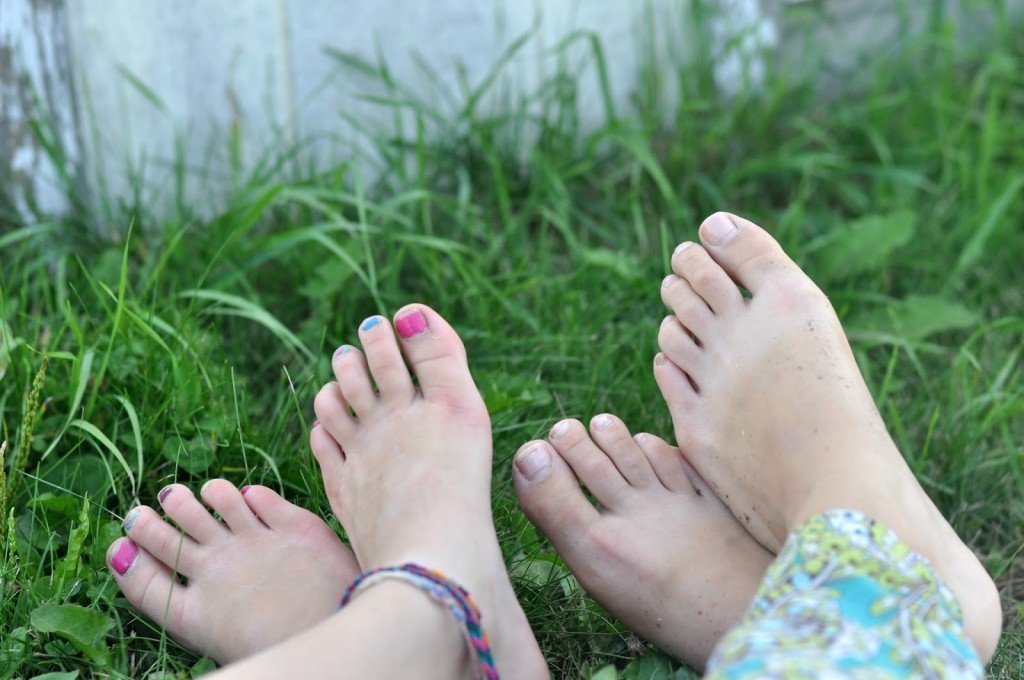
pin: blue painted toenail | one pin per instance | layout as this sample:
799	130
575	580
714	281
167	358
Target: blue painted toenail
370	323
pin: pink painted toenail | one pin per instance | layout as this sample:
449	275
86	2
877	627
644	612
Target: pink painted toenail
559	429
164	493
534	462
125	556
244	489
683	246
342	350
602	421
316	423
718	229
411	325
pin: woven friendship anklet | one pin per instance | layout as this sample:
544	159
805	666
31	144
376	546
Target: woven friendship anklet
448	593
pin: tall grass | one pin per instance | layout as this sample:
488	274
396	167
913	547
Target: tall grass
182	346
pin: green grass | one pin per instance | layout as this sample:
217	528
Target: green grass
183	346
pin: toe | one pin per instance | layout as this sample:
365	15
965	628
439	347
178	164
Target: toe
592	465
436	354
551	496
611	435
667	462
274	511
706	278
332	412
147	583
327	453
744	250
687	306
385	360
165	543
353	376
222	496
676	387
677	344
180	504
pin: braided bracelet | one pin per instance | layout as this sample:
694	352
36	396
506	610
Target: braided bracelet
448	593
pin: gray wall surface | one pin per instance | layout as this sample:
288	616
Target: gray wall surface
131	85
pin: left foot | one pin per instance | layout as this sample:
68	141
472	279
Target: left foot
661	552
269	571
409	475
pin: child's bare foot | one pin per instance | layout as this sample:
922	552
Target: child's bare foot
662	553
269	571
770	408
409	474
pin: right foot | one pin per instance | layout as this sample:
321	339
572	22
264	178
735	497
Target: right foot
409	474
268	571
662	553
770	407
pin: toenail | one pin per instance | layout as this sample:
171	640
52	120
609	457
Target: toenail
667	319
659	359
559	429
343	349
411	325
129	520
641	437
316	423
683	246
125	556
370	323
165	492
602	421
534	462
244	489
718	229
667	280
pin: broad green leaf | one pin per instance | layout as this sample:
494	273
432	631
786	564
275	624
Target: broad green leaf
605	673
84	628
57	675
103	442
650	666
863	245
916	318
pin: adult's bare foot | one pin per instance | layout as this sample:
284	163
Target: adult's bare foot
661	552
269	571
770	408
409	474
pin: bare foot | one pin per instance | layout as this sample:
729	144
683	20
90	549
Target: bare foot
770	408
269	571
662	553
409	475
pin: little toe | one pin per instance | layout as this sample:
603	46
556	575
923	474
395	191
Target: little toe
611	434
675	342
180	504
744	250
706	278
148	584
551	496
226	499
385	360
676	387
327	451
592	465
667	462
436	354
165	543
332	412
353	376
271	509
687	305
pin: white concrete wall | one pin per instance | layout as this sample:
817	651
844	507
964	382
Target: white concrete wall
260	68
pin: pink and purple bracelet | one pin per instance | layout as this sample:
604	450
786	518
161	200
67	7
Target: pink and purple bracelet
448	593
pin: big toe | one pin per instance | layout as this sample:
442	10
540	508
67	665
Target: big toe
150	586
435	353
744	250
551	496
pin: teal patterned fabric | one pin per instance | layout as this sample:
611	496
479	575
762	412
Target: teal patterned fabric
847	599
